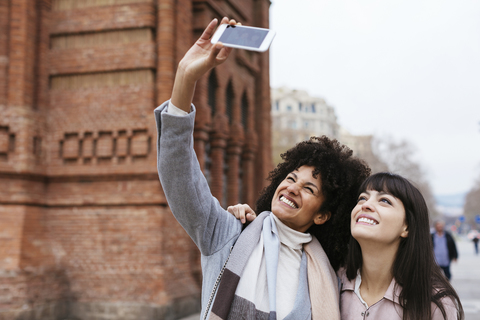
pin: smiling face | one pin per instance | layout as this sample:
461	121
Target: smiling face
298	198
378	216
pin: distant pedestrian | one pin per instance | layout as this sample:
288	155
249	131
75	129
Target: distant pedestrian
444	248
474	236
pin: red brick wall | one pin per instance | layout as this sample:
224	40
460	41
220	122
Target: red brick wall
86	230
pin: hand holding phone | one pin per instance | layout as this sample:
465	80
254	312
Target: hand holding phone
242	37
199	59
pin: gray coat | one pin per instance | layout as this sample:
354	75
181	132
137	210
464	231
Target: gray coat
213	229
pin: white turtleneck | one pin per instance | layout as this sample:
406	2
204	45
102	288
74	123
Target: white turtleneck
255	272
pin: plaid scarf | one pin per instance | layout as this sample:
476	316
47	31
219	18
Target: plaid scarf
317	295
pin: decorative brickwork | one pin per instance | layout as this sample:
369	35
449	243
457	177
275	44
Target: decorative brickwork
86	232
7	142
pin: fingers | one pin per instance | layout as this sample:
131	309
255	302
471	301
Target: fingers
218	54
249	213
238	212
215	57
208	32
224	20
223	54
230	22
243	212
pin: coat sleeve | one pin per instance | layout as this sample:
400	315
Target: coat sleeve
185	187
452	247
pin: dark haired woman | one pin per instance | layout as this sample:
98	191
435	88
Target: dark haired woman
391	272
275	268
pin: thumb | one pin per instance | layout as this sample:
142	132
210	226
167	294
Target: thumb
212	57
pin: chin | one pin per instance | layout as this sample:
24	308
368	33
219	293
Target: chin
360	234
276	209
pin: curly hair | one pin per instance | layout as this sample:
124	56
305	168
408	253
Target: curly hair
341	175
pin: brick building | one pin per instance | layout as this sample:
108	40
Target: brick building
85	231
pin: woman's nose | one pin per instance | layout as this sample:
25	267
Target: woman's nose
293	188
367	206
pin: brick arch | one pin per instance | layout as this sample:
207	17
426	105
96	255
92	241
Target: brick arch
244	109
212	88
230	104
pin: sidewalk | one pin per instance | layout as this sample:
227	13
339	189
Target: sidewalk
192	317
466	279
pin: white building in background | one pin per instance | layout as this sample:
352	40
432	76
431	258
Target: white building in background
362	147
296	116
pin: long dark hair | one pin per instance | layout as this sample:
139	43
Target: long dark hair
341	175
415	271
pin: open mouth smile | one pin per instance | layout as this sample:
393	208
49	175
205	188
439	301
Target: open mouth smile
365	220
288	202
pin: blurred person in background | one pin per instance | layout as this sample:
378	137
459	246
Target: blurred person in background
475	243
444	247
474	236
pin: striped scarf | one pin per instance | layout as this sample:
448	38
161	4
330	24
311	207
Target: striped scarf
317	295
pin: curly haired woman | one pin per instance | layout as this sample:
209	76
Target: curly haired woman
280	266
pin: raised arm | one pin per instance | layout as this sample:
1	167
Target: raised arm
202	57
184	185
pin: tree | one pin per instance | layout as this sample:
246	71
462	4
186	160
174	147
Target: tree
399	156
472	202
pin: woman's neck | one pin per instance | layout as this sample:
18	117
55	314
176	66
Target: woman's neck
376	271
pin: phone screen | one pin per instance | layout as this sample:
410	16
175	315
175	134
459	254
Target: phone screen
243	36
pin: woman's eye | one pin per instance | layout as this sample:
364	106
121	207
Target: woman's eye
310	190
290	179
386	201
362	198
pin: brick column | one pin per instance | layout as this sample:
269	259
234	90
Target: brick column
202	121
21	57
17	59
165	49
217	154
250	194
263	164
218	144
234	151
42	88
4	21
233	156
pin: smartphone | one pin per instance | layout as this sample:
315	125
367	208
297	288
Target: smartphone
241	37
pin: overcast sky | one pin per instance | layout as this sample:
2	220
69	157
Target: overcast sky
409	69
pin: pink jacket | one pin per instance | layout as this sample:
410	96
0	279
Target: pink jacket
388	308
